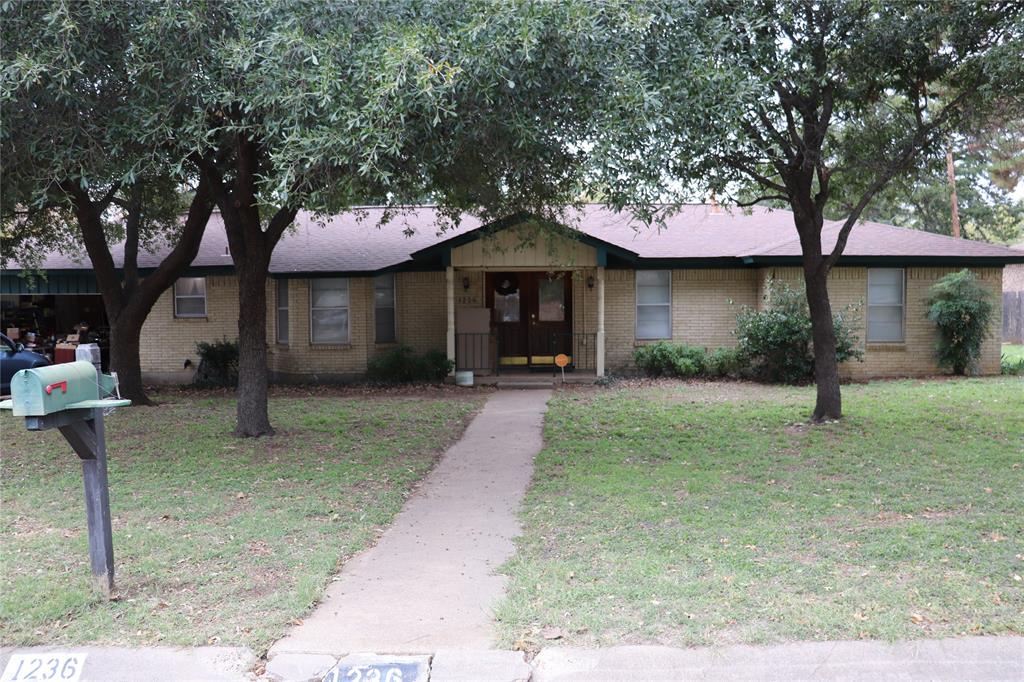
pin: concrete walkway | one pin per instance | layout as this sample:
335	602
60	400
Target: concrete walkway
430	581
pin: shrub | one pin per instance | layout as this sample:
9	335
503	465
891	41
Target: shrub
726	362
670	359
962	310
777	342
218	364
402	365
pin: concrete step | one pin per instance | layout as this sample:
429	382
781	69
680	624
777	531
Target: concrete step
525	384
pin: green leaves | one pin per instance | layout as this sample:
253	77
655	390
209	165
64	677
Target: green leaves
962	310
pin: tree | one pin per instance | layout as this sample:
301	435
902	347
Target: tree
817	106
77	90
987	172
472	104
275	74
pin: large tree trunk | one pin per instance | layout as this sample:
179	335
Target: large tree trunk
829	404
253	418
809	221
125	332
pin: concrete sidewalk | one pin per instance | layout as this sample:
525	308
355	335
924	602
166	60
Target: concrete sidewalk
430	582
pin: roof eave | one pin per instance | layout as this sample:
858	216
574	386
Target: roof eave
977	261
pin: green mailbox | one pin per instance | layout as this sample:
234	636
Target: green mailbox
68	386
73	397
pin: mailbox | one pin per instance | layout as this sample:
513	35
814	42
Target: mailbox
72	397
68	386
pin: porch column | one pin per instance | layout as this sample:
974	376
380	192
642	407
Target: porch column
600	321
450	281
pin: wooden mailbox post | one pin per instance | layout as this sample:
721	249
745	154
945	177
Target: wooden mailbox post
72	398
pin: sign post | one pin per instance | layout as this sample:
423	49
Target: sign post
67	397
561	361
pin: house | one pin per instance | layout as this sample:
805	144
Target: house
507	296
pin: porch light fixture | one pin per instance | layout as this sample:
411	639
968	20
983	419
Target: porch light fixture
465	283
590	282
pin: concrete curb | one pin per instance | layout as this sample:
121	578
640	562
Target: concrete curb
173	664
973	658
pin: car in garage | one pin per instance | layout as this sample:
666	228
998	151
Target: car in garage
14	357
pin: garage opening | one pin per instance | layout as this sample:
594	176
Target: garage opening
53	324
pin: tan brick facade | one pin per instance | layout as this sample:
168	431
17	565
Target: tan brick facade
168	342
704	307
915	356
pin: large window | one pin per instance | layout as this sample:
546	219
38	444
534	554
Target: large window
328	310
653	304
384	307
282	311
885	305
190	297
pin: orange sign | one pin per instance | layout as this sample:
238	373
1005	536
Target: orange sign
561	359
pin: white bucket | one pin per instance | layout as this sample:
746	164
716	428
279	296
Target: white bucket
464	378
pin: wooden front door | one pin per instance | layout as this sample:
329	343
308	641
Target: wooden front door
532	316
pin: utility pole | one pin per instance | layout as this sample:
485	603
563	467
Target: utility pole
954	207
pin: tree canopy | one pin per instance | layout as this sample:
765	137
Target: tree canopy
817	105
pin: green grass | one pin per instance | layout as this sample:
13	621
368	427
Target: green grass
1013	352
216	539
695	514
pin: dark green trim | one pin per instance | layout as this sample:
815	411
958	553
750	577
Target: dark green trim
54	282
683	264
895	261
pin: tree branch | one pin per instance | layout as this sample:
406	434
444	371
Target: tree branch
764	197
186	249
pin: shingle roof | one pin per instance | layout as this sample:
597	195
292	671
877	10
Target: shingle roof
355	242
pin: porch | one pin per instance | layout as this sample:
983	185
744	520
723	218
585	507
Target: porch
526	322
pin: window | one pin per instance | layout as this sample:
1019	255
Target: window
190	297
885	305
384	307
506	300
282	311
328	310
653	304
551	306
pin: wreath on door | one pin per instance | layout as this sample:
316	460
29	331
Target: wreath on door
507	285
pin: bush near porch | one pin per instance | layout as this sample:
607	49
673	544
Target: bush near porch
711	513
217	540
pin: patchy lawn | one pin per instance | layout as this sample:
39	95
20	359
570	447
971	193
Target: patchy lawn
1014	352
216	540
688	514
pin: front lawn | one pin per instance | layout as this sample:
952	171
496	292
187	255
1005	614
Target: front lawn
1013	352
216	539
687	514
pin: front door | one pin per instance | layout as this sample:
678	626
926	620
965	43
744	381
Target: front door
532	316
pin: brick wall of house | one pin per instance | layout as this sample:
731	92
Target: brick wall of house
849	286
167	341
422	317
301	359
704	307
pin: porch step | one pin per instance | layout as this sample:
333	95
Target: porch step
525	384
